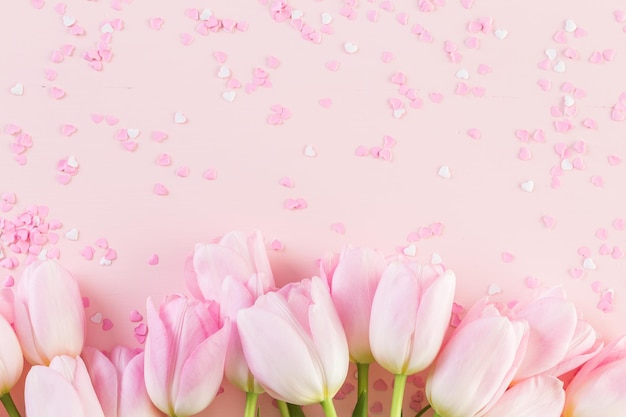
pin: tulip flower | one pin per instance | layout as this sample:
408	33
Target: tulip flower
185	354
540	395
11	363
477	363
598	389
119	382
294	344
353	279
410	315
61	389
49	313
234	272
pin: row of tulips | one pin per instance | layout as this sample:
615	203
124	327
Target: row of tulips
533	357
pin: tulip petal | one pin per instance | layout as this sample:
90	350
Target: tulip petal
11	361
201	375
538	396
466	365
157	363
552	322
278	354
394	310
329	337
431	322
103	378
353	286
47	393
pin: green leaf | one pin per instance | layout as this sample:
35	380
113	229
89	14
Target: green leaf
295	410
361	405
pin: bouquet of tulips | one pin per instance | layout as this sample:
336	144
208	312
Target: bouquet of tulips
529	358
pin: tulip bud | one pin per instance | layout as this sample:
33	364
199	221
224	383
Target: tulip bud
185	354
62	389
49	313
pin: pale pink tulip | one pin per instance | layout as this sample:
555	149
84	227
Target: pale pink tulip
540	395
119	382
598	389
11	361
234	272
477	363
410	315
294	343
235	256
185	354
49	313
62	389
353	281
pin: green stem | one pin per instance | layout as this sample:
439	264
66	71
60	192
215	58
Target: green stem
251	398
329	407
282	407
363	376
423	410
9	405
399	383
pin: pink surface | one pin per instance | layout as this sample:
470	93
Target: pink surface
298	177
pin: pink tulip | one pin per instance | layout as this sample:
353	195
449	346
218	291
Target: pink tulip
234	256
11	361
477	363
62	389
537	396
353	281
49	313
185	354
294	343
119	382
410	315
598	389
235	273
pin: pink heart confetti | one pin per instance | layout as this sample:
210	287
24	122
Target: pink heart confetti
160	189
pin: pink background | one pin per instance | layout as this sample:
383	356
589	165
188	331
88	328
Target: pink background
482	207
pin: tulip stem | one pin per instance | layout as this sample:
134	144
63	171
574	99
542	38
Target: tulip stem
9	405
399	384
251	400
282	407
423	410
329	407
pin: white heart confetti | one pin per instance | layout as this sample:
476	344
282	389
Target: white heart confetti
326	18
72	162
133	133
501	33
528	186
551	54
206	13
180	118
107	28
72	234
297	14
224	72
310	151
410	250
566	165
68	21
229	96
589	264
435	259
559	67
350	48
17	89
96	318
570	26
463	74
444	172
